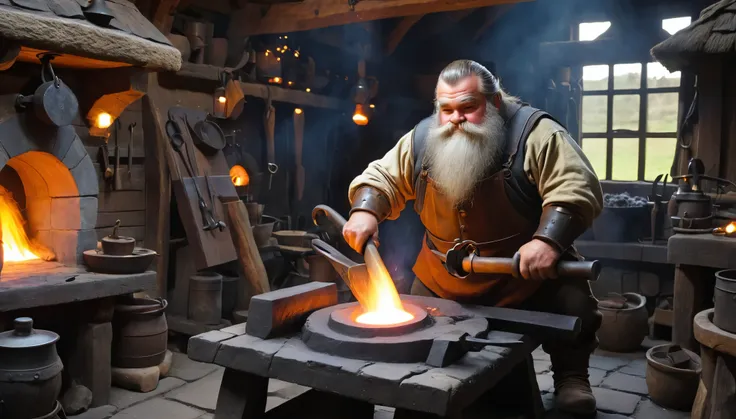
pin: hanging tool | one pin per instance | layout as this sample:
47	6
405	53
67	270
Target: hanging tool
269	120
656	203
104	159
464	258
218	223
177	143
117	179
130	147
298	144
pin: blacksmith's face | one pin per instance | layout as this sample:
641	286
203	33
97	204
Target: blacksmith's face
461	102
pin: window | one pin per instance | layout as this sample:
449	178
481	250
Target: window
629	113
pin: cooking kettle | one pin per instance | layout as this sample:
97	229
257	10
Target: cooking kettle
53	101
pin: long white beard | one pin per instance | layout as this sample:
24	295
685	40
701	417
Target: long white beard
460	156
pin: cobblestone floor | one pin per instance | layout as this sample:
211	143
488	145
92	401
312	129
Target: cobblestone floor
190	391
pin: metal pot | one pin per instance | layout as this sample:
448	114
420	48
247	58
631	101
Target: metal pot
724	300
672	376
117	245
30	371
53	101
624	324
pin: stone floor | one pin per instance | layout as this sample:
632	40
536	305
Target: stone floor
190	391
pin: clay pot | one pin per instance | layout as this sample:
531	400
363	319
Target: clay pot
673	375
217	52
181	43
140	333
262	233
625	322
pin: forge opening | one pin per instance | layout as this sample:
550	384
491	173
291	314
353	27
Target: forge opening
39	210
345	320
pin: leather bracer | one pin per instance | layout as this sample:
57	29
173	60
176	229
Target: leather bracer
559	227
370	200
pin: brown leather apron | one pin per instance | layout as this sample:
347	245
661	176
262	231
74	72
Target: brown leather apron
490	220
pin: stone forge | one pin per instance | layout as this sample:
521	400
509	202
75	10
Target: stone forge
58	185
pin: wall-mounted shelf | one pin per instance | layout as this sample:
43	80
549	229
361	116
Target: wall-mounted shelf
278	94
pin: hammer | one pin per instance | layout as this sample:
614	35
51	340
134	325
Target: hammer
464	258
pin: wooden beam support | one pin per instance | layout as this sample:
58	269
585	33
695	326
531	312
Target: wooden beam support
313	14
398	33
209	75
456	17
163	15
493	14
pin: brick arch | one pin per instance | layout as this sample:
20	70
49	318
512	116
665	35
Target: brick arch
59	181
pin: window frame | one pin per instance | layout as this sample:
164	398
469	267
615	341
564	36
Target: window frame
642	132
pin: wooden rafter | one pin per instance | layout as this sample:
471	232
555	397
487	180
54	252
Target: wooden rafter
493	14
163	15
398	33
313	14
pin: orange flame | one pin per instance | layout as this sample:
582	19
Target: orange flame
359	116
16	245
239	175
382	305
730	228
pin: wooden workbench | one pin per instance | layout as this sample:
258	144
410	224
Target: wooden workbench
696	257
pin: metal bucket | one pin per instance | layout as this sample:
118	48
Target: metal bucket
205	298
724	300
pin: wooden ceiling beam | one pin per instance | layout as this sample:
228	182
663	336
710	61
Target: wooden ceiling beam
314	14
493	14
398	33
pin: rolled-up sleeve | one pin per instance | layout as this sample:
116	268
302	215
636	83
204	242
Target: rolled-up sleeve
392	175
561	172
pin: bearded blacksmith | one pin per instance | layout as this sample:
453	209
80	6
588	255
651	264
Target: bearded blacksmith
485	167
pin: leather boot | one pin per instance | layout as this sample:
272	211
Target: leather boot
572	389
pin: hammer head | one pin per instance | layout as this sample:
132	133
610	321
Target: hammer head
447	349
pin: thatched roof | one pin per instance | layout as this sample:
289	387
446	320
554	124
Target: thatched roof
713	34
60	26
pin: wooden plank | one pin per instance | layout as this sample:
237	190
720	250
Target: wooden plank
398	33
710	120
728	156
138	232
582	53
135	182
278	94
127	219
690	285
313	14
121	201
163	15
158	190
704	250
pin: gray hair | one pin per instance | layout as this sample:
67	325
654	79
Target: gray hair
462	69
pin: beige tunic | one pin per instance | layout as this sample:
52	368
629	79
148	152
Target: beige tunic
562	173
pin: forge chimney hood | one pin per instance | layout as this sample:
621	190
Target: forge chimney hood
129	39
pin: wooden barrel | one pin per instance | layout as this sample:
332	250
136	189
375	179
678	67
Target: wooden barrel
140	333
205	298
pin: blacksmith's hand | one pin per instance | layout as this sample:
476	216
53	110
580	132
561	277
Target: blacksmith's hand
538	260
360	227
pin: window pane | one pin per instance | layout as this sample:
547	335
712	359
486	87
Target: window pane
676	24
595	77
662	112
625	159
591	30
626	112
660	155
595	151
595	112
658	76
627	76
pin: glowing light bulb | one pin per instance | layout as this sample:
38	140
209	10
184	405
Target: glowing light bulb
298	111
103	120
222	99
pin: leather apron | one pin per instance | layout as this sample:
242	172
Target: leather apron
491	220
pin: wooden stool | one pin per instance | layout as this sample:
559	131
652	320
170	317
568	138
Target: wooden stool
715	398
